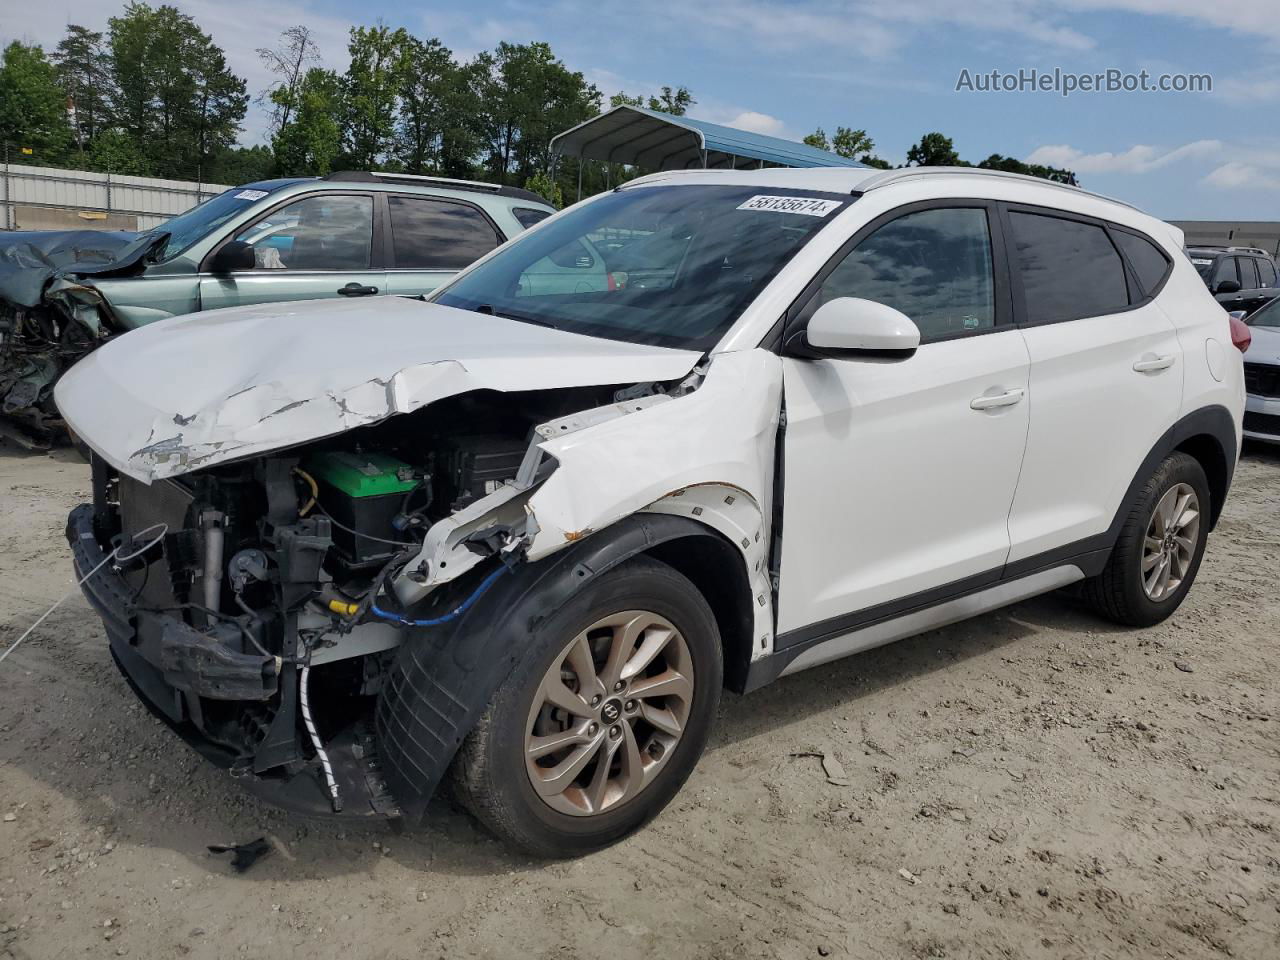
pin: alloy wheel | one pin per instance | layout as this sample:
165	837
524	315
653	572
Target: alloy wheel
609	713
1170	544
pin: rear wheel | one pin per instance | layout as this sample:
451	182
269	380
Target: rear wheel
599	726
1159	549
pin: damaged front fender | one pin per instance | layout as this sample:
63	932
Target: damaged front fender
707	455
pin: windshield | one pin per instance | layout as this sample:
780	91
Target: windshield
1265	316
669	265
196	224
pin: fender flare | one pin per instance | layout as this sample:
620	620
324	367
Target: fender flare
443	677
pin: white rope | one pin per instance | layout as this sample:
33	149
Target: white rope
115	555
315	739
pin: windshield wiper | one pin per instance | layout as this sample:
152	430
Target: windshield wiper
487	308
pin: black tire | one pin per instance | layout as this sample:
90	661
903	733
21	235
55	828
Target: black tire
488	776
1117	593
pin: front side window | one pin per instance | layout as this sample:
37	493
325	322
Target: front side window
1147	260
669	265
438	235
1267	315
314	233
1225	270
932	265
1069	269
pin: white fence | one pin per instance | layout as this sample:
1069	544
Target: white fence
94	196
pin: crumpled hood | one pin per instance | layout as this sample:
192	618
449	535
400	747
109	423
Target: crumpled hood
1265	347
29	259
206	388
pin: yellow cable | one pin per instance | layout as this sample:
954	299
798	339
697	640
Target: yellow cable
315	490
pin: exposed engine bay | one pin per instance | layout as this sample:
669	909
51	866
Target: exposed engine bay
270	585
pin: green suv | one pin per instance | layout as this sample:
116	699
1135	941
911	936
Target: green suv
352	234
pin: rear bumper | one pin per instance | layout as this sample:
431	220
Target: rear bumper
173	668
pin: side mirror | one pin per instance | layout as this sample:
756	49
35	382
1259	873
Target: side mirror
853	327
1229	286
231	256
1237	314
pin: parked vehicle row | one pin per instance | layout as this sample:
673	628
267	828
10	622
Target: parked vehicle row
347	235
704	430
1240	278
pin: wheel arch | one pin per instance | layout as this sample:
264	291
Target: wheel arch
443	678
1209	436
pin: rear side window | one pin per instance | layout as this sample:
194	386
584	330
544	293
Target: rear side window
528	216
1069	269
437	235
1248	273
1267	273
1147	260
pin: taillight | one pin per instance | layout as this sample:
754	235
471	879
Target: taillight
1241	335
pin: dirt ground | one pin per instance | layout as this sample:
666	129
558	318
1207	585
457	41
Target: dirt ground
1034	783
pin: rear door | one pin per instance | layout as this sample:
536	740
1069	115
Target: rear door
1106	375
432	238
316	246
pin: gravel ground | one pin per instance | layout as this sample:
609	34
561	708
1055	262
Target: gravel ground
1033	783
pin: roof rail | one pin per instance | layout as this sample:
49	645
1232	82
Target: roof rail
909	173
1228	249
445	183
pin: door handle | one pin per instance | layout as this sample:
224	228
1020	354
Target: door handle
990	402
1153	364
354	289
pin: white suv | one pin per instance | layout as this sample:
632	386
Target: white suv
523	534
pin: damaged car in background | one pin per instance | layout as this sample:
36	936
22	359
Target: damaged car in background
347	235
518	537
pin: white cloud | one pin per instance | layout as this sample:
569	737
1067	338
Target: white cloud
1140	158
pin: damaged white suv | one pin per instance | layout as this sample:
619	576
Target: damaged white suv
521	535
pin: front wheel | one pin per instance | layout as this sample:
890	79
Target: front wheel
1159	549
602	721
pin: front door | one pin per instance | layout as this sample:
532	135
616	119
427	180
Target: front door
899	473
318	246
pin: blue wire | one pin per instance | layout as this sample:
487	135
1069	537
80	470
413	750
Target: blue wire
453	614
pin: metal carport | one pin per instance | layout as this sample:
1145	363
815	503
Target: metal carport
654	141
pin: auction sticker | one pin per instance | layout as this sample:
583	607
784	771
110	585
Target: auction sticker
251	194
808	206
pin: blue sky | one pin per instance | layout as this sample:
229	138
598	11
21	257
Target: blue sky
888	66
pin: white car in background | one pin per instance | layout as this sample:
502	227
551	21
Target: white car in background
522	534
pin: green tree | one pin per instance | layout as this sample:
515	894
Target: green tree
33	113
934	150
371	93
527	96
311	141
545	187
433	90
114	151
239	165
173	91
84	72
676	102
850	143
1012	165
289	61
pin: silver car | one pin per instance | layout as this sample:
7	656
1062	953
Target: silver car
348	235
1262	375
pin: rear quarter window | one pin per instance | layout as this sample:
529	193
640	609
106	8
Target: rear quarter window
528	216
1148	260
